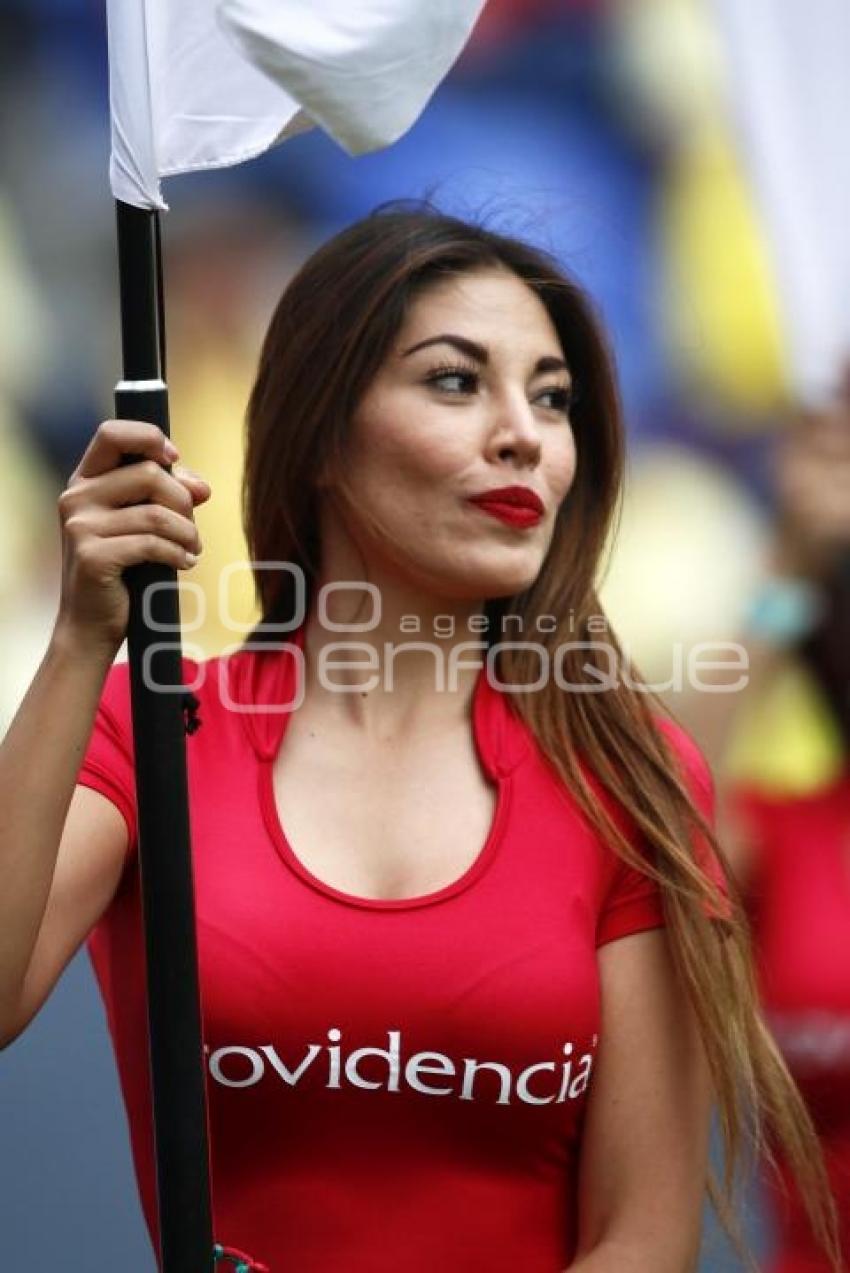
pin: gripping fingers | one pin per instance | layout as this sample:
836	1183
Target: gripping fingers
101	558
115	438
140	519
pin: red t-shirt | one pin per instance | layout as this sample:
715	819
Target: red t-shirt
799	900
392	1084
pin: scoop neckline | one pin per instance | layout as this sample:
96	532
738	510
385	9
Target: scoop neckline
501	746
473	872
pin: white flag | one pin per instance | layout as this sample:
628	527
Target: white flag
789	89
198	84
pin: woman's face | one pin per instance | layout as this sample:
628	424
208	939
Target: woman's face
472	398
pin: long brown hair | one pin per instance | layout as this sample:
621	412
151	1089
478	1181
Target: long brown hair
329	335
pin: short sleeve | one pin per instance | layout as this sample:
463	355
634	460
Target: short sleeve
633	901
108	765
632	905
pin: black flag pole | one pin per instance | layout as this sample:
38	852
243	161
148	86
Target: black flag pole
159	727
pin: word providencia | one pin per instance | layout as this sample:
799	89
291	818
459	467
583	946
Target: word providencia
430	1073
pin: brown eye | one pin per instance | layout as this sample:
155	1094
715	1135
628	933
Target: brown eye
465	381
561	398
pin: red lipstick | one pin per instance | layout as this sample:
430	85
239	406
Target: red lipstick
515	505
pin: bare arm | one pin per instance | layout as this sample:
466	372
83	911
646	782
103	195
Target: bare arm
644	1156
62	848
40	758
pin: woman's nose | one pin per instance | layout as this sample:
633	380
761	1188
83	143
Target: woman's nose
515	432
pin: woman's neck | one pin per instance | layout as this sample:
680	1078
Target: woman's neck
413	665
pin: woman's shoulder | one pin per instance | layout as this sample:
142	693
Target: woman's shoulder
688	755
207	678
247	692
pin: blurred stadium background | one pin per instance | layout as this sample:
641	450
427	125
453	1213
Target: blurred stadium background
601	130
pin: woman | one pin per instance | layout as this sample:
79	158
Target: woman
468	1010
790	845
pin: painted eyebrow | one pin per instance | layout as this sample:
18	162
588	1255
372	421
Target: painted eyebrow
480	354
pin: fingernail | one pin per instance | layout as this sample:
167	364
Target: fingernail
180	470
171	452
190	558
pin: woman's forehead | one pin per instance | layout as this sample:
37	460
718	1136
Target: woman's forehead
481	304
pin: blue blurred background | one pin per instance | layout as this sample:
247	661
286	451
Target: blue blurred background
599	130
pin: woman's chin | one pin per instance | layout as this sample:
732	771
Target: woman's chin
506	578
472	578
495	583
